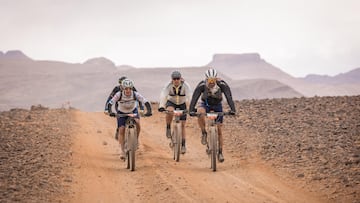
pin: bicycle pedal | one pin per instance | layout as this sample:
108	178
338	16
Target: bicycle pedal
208	151
123	158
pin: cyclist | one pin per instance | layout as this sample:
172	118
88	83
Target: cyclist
175	95
113	92
127	99
211	90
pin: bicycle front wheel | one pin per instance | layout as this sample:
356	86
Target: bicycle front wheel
213	147
177	143
126	145
132	144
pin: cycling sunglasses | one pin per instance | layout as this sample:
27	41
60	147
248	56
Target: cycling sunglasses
211	80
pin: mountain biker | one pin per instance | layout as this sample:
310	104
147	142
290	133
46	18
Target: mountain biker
175	95
127	99
211	90
113	92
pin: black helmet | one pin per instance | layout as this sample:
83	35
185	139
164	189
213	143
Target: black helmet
121	79
175	74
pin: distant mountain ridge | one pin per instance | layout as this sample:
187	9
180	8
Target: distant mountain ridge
252	66
14	55
351	77
24	81
100	61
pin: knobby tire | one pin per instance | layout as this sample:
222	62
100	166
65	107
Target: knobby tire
213	147
126	144
132	144
177	143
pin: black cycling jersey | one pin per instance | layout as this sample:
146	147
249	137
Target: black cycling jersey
212	98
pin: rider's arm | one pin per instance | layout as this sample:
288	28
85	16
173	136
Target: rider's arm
188	92
148	108
197	92
226	89
113	92
163	96
142	99
106	104
113	100
141	105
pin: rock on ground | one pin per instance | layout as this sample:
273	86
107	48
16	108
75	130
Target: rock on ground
34	154
314	139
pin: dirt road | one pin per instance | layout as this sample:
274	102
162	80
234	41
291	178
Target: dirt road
100	176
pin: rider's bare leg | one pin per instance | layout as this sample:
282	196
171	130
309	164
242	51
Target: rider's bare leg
221	140
183	133
183	140
221	156
169	116
138	127
183	129
121	137
168	119
201	122
201	118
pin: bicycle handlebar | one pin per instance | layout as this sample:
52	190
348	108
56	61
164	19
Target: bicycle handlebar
176	111
126	114
217	114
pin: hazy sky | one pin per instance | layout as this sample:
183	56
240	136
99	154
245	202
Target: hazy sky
299	37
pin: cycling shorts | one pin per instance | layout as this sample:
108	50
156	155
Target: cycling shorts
180	107
214	108
121	120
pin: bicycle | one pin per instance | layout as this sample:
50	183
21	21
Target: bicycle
176	134
131	139
213	138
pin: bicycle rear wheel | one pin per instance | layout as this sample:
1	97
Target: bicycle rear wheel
177	143
213	147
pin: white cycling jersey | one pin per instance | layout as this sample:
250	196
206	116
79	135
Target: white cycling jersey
177	95
127	104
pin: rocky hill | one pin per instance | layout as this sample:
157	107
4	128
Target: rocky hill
14	55
351	77
252	66
247	66
24	81
86	86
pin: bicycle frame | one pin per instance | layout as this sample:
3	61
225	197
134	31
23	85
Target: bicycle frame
213	144
213	137
131	140
176	134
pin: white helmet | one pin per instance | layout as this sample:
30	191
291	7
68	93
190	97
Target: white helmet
127	83
211	73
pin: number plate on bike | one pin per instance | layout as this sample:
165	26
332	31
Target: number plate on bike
178	112
212	116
